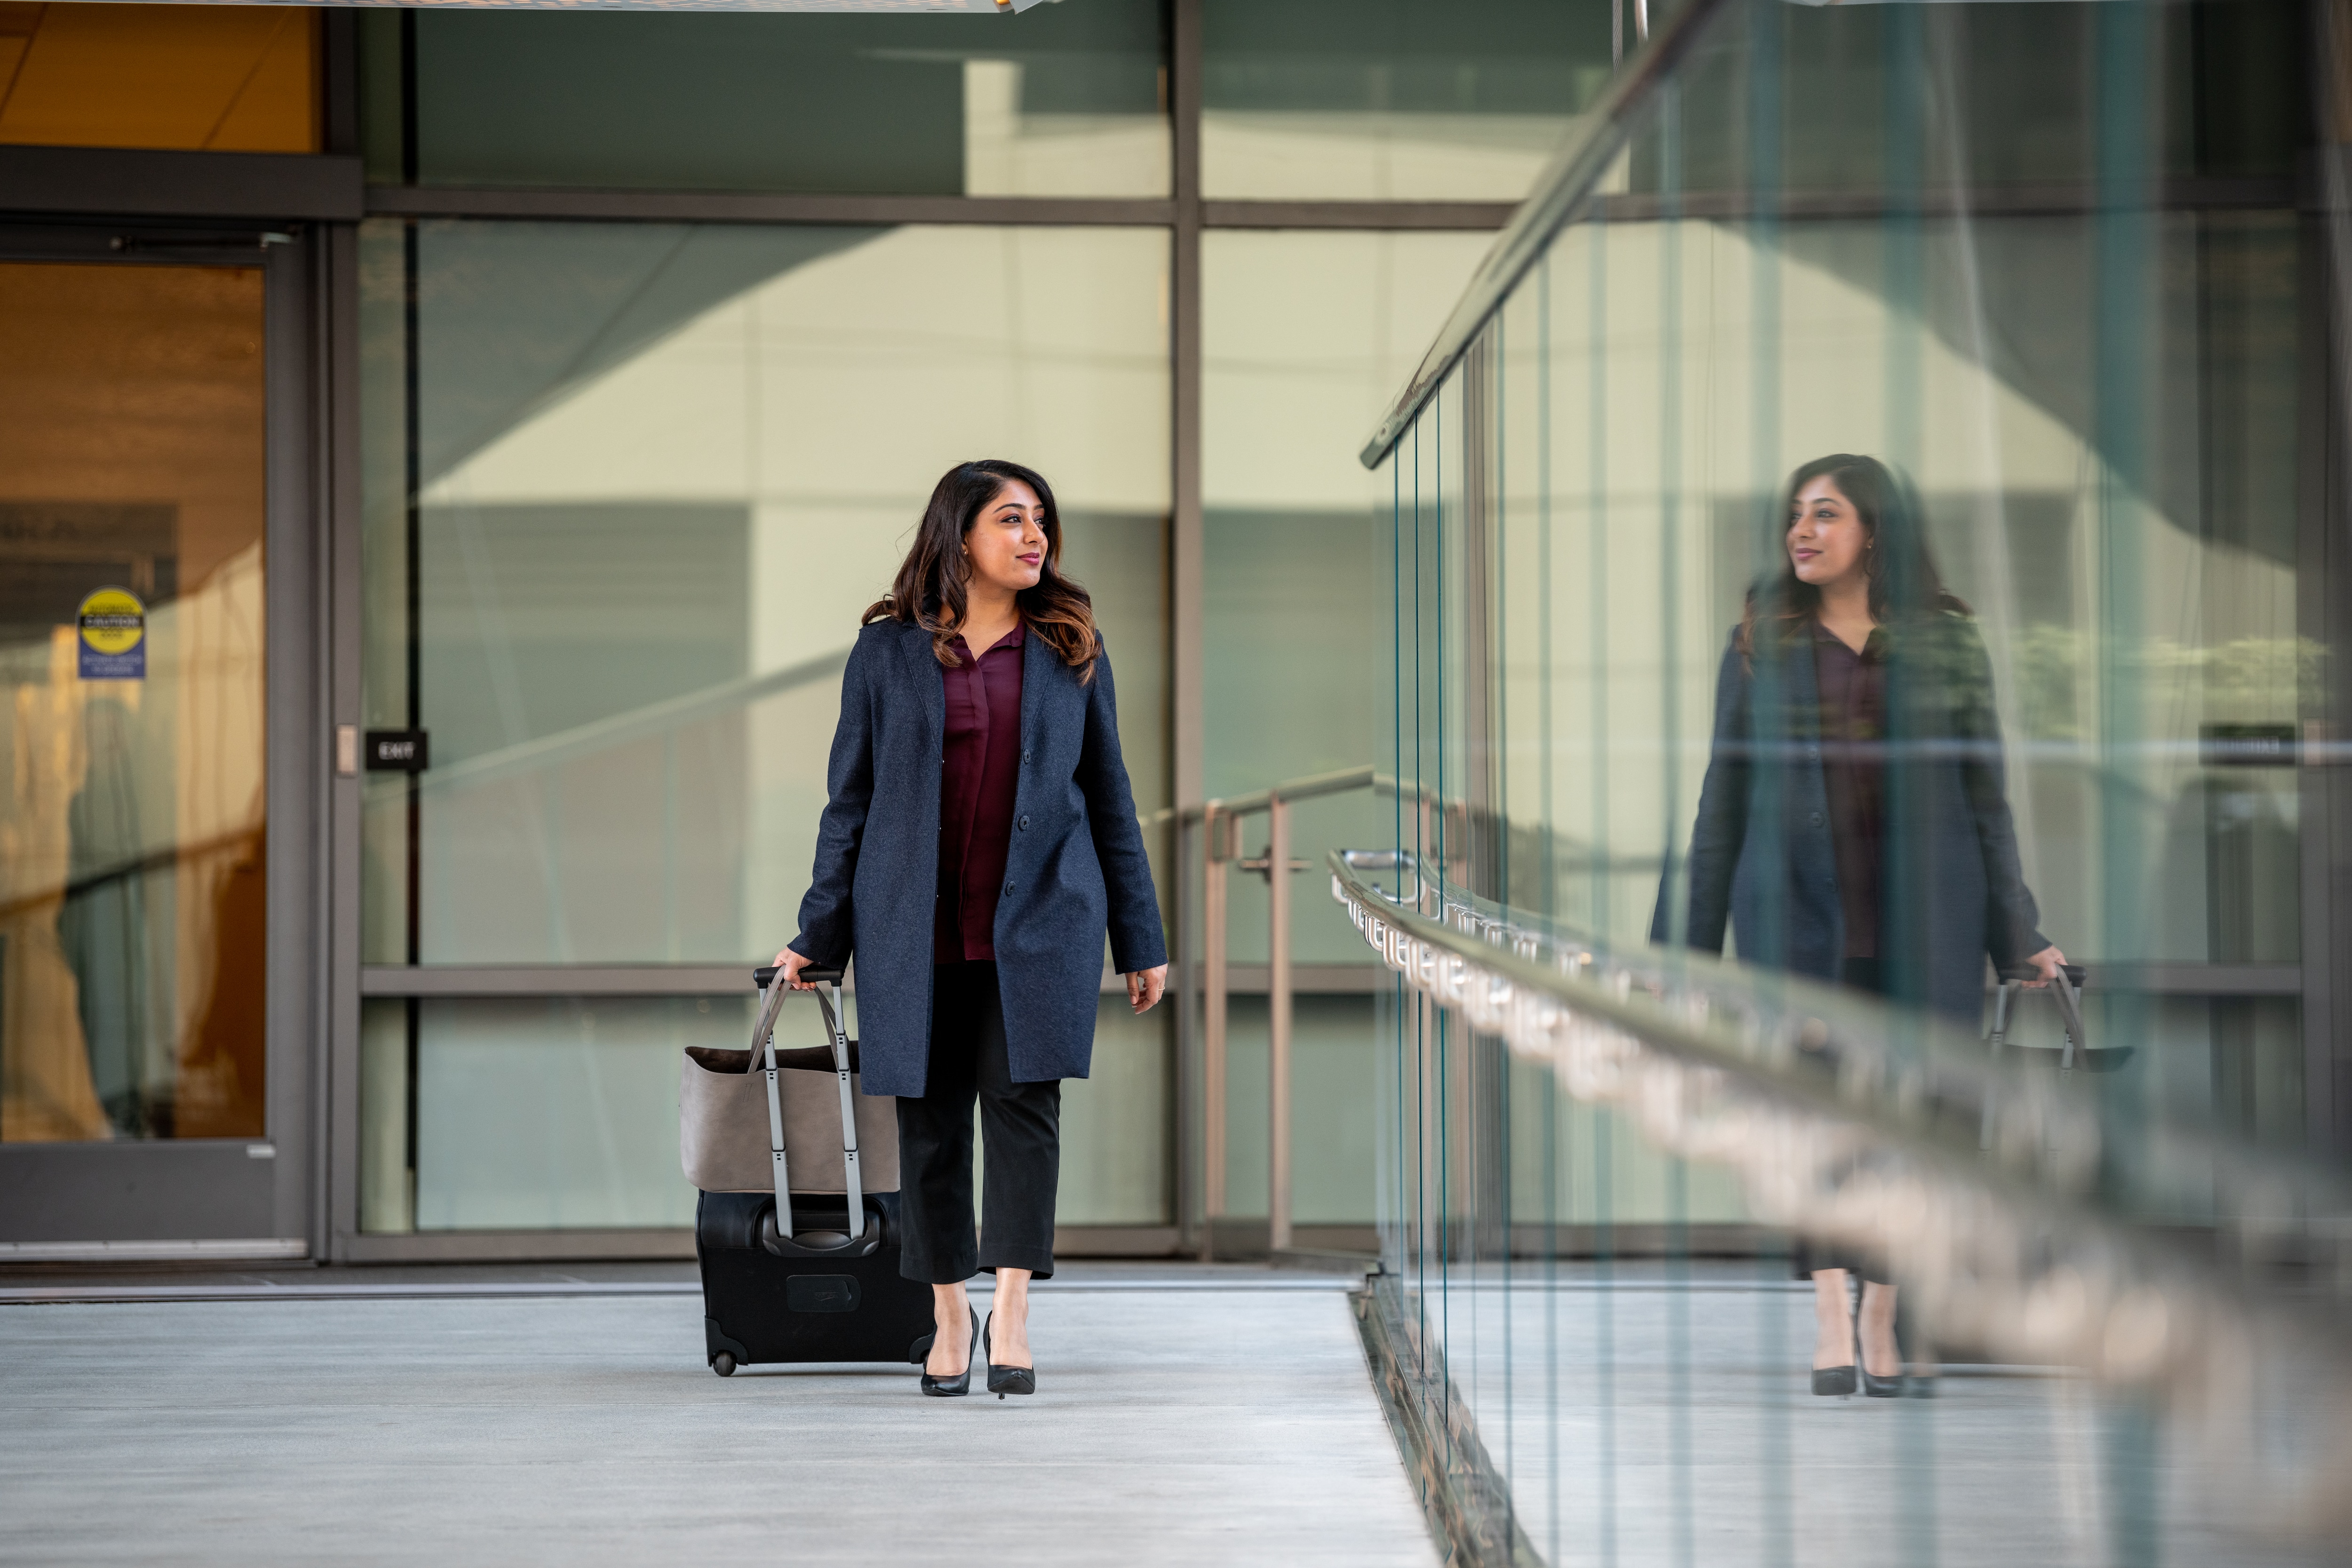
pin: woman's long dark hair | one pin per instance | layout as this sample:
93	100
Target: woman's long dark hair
1903	583
930	592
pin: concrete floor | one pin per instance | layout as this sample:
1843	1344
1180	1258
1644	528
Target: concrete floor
1190	1420
1190	1414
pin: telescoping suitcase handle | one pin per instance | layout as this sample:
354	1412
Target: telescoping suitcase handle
763	1049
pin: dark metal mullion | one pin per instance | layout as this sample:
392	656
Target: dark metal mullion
291	697
585	206
753	206
408	131
343	547
414	482
1186	557
2323	598
1346	215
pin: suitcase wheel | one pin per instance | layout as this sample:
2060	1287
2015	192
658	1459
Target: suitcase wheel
724	1364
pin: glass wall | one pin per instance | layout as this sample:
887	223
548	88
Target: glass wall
1306	334
2018	296
621	478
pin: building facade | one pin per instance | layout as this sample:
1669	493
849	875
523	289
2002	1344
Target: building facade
490	427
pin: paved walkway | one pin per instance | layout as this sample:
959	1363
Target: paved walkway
1183	1418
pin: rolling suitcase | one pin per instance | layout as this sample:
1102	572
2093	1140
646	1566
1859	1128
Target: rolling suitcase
803	1266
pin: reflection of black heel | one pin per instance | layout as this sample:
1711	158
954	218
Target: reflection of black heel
960	1383
1004	1380
1832	1380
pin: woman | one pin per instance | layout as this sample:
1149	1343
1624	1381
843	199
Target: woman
1853	825
977	756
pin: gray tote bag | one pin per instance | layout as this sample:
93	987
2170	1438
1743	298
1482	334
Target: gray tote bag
722	1116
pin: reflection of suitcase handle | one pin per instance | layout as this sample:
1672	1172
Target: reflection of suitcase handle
2065	986
2065	989
763	1051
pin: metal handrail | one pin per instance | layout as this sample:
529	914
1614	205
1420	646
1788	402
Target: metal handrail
1219	823
1794	1086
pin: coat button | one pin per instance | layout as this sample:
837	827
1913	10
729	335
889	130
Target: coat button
1024	753
1025	824
1817	819
1008	887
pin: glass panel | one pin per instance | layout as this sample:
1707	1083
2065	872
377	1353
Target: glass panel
132	894
562	1114
1304	336
1059	100
1392	100
2060	396
218	79
661	471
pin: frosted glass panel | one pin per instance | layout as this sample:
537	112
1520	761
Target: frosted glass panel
661	472
557	1114
1056	100
1391	100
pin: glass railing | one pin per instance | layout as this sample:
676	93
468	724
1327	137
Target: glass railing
1861	541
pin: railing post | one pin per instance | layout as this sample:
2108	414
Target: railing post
1182	990
1277	987
1216	834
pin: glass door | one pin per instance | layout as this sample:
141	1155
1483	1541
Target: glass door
135	1076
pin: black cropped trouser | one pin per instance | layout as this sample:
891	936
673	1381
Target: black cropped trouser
1021	1126
1866	975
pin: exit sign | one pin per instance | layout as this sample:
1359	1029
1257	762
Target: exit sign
396	751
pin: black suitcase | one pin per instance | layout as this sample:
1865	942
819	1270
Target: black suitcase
815	1288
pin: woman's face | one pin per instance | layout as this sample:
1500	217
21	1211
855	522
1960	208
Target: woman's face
1826	538
1006	542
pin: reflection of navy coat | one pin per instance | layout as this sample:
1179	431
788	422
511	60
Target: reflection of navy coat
1761	853
1077	865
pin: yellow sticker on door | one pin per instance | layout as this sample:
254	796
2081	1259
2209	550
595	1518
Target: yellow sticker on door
113	637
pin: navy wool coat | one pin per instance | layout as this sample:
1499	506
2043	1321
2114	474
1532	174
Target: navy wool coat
1077	867
1762	855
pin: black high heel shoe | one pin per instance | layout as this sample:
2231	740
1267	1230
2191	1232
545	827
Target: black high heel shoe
1872	1385
1834	1381
1004	1380
960	1383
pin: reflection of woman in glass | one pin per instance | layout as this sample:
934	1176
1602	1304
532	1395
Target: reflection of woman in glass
1853	825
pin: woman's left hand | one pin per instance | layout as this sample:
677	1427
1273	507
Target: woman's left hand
1144	987
2049	961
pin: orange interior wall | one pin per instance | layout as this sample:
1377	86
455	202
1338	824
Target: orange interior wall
222	79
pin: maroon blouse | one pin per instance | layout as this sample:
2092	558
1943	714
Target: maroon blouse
979	774
1854	769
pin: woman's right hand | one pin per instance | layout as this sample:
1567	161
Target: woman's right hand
791	963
